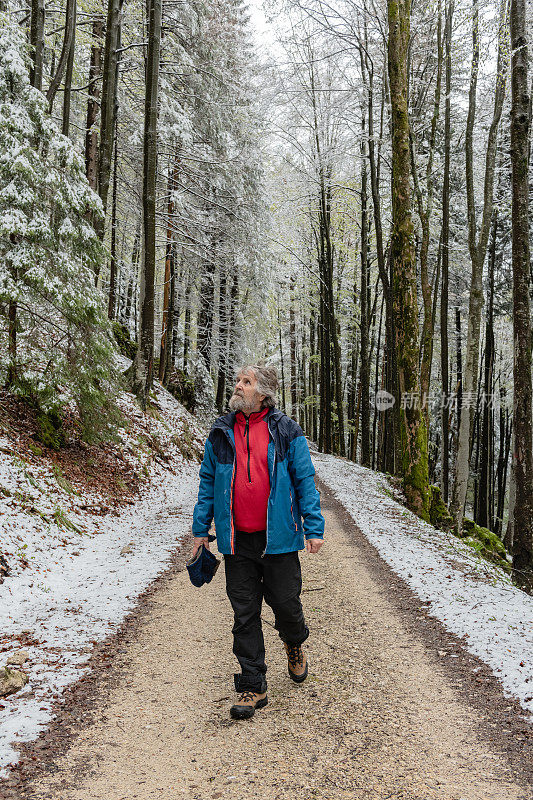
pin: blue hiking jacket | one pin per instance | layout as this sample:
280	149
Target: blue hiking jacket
293	493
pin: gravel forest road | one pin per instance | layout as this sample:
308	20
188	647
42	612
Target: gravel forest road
393	707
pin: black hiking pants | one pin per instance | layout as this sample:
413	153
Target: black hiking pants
250	577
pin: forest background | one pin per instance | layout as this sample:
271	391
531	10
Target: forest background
349	202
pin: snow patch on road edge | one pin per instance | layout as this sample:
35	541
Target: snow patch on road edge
83	572
473	599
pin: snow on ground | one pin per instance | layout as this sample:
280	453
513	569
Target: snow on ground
473	599
77	586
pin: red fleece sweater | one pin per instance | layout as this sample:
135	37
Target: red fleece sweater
252	481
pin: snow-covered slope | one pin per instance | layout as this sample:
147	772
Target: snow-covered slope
70	585
472	598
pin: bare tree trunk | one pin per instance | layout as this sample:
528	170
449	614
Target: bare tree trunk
477	247
37	43
292	339
68	84
325	435
129	296
143	364
302	383
354	366
168	349
458	368
135	256
169	269
313	368
389	421
503	460
330	366
364	373
483	505
70	24
376	386
232	333
12	370
112	300
93	103
205	313
424	213
413	433
223	331
108	104
282	363
522	397
187	323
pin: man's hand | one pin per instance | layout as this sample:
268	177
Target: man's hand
198	542
313	545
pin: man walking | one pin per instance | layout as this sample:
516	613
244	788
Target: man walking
256	480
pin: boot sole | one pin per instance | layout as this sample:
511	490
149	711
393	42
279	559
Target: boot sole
245	712
299	678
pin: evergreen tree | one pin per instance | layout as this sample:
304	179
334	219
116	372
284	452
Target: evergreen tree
58	341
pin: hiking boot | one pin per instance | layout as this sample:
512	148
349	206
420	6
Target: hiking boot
297	662
246	704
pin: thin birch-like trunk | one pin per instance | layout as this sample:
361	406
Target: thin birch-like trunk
477	245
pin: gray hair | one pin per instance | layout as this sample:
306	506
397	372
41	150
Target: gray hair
267	381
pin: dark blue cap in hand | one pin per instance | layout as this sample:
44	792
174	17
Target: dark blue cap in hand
202	567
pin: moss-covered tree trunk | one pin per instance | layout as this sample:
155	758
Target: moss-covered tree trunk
445	238
413	433
522	402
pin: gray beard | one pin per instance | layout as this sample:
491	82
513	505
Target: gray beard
238	403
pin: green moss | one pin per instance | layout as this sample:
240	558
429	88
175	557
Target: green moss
127	347
37	451
186	444
415	472
183	389
439	516
50	428
386	491
486	543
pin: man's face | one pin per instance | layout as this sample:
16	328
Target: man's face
245	396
